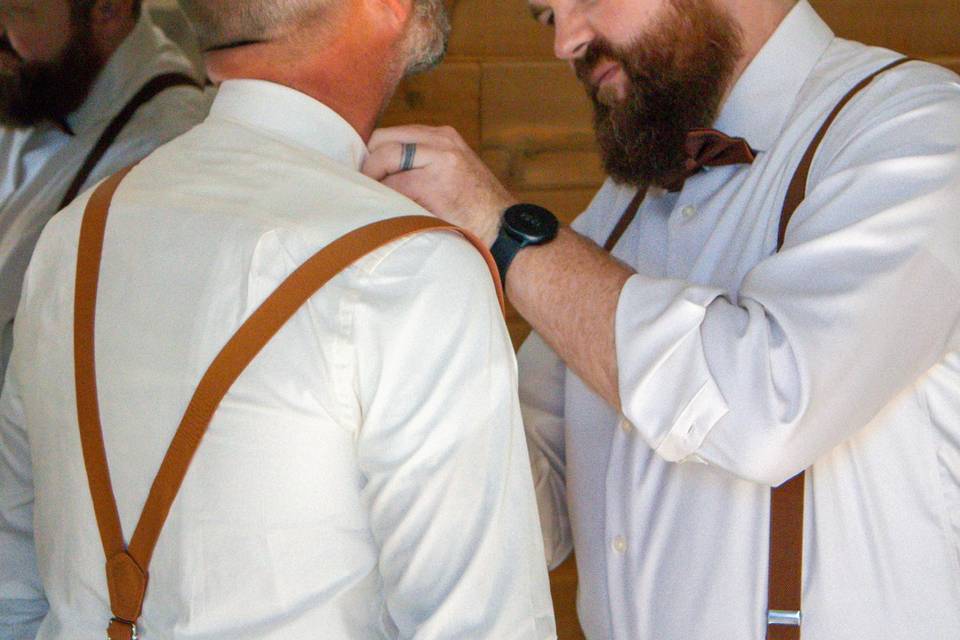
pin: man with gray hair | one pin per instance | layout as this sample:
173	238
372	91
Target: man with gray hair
362	478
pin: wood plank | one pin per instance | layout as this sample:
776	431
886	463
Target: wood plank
545	169
498	28
918	27
448	95
534	106
563	586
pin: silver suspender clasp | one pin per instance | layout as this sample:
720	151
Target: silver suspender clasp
784	618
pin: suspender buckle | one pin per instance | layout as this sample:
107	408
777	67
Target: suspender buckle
784	618
121	630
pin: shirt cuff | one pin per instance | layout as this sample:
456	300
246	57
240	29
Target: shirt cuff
667	391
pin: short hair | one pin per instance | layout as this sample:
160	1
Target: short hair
220	23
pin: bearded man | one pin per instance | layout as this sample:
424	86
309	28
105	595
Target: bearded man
361	479
86	88
671	384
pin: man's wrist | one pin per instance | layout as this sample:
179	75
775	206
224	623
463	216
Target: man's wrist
523	225
494	223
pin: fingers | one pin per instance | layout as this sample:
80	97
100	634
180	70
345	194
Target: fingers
388	158
387	146
441	137
445	177
408	183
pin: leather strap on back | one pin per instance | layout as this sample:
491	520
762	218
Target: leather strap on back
786	501
109	135
127	566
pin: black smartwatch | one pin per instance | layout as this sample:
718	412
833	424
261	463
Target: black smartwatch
523	225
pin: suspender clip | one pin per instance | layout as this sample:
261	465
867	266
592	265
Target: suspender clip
784	618
121	630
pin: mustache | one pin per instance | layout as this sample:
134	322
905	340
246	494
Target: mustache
598	49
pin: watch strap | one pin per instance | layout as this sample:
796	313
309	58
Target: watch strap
504	250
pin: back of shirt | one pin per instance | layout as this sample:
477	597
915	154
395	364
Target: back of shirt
366	477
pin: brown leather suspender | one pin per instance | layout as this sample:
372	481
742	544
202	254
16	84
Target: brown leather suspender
624	222
786	501
147	93
784	584
127	565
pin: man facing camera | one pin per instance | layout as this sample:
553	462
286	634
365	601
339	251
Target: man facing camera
86	87
366	476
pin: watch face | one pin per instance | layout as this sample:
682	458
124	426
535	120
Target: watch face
530	223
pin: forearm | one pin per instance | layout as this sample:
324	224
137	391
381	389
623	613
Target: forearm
568	291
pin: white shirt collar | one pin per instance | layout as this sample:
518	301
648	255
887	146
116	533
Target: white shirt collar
143	54
291	115
764	95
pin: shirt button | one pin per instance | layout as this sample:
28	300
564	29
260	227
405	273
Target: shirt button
619	544
689	211
625	426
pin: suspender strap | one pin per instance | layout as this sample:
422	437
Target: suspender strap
786	501
109	135
625	219
797	190
127	567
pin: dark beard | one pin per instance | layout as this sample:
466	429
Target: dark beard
38	91
677	75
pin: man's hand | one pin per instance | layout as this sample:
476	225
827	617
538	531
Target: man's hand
447	177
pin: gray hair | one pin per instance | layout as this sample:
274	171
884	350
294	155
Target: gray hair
220	23
427	43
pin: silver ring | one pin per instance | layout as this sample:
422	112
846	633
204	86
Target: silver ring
409	151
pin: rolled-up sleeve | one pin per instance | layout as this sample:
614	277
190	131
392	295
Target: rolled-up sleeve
660	356
862	300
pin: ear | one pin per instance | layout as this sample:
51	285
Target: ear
398	11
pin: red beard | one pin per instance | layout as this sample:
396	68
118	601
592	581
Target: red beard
677	75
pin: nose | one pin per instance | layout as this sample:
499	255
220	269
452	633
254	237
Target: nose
572	35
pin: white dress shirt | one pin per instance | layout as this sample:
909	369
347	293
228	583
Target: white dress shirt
367	475
38	164
739	368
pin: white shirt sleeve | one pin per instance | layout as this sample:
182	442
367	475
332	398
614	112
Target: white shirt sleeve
22	603
442	452
541	401
861	301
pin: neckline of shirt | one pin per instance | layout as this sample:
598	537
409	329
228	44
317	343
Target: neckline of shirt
291	115
763	97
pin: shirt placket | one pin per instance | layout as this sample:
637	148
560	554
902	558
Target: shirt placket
617	547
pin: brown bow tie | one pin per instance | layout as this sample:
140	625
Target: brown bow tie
708	148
